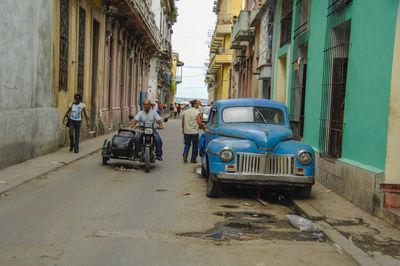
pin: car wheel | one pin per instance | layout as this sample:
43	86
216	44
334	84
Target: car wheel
105	160
214	189
304	192
204	172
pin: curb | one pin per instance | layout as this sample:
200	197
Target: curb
46	171
355	252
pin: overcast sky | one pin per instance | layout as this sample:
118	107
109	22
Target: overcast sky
195	20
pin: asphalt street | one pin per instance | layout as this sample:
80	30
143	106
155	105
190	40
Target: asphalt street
89	214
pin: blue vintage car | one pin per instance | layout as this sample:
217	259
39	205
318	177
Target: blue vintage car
248	142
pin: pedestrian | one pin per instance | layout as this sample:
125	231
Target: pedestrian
175	110
74	113
148	115
191	121
179	108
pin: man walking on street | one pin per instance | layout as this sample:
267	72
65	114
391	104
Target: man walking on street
191	121
74	113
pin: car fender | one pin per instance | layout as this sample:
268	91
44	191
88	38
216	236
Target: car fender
294	147
216	145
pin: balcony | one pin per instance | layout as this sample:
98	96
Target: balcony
242	33
221	30
137	15
217	60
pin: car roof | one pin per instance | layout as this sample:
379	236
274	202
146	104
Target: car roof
248	102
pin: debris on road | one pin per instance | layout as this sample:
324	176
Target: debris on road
303	224
339	249
187	195
121	168
260	200
161	190
5	194
247	204
329	190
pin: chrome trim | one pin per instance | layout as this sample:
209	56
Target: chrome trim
231	136
212	152
211	132
298	155
266	178
266	149
253	163
226	149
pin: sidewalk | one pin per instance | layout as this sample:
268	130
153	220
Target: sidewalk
14	175
369	239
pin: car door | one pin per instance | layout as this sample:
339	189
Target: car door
212	125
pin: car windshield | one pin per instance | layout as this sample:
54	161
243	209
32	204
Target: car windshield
250	114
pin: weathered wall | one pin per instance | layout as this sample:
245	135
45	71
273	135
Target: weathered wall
392	168
153	94
29	124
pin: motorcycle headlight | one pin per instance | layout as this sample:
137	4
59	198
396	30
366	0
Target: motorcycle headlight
226	154
305	157
148	131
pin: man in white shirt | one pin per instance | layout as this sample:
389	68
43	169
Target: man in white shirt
148	116
191	121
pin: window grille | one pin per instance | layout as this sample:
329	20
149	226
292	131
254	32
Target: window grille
81	49
286	22
334	79
64	45
302	16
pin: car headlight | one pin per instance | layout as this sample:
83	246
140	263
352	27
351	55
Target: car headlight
226	154
305	157
148	131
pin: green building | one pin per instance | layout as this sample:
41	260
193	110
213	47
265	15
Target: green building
334	66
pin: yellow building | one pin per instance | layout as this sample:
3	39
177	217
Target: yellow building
78	62
176	72
220	52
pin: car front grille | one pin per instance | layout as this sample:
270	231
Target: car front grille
250	163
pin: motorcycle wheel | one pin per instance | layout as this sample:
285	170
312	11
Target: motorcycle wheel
105	160
147	159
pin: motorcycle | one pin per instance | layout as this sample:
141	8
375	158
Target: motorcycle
122	145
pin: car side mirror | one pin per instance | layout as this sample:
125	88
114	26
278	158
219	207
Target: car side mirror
165	119
131	117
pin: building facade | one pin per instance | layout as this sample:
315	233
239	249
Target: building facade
218	74
329	61
176	73
99	48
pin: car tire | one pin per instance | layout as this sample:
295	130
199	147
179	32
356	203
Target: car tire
204	172
214	189
105	160
304	192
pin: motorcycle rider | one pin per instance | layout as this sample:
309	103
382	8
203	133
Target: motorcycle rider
148	115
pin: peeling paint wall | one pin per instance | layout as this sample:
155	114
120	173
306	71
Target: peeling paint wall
29	124
392	169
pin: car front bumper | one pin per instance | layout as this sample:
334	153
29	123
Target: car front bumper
263	179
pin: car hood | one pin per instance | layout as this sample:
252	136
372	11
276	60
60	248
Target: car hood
257	133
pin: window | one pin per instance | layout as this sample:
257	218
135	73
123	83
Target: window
271	115
249	114
286	22
214	117
334	86
238	114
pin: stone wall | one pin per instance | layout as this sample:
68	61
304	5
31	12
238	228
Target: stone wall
351	182
29	124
